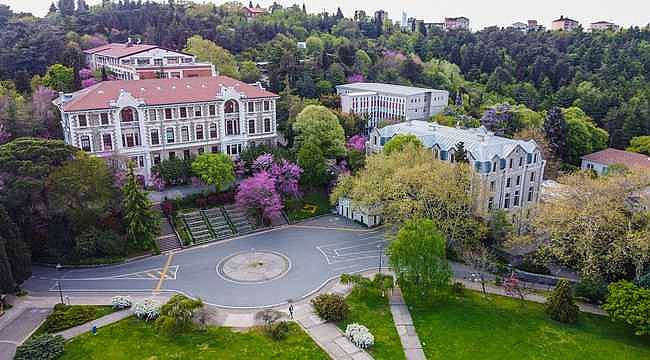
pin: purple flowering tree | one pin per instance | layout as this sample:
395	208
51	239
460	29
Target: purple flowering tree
356	78
357	142
4	134
88	82
287	177
85	73
44	112
157	184
259	197
262	163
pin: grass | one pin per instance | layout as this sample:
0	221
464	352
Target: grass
68	316
473	327
296	210
372	311
132	339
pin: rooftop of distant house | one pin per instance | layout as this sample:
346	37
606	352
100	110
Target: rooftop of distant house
386	88
160	92
562	18
615	156
117	50
256	10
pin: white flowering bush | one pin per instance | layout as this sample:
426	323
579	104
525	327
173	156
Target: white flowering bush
147	310
121	302
359	335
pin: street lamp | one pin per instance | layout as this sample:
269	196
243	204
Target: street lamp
58	284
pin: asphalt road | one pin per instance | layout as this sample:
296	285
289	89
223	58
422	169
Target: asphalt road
318	250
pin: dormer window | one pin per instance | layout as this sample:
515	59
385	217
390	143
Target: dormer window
231	106
127	115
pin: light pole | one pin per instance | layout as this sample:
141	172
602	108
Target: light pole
58	284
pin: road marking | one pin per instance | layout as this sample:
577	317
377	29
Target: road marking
329	228
162	275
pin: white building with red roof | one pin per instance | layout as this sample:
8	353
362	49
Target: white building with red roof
139	61
147	121
600	161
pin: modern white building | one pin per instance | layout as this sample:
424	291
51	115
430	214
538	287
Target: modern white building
509	171
132	61
346	208
380	102
147	121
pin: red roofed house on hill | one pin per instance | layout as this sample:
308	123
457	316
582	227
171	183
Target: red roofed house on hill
253	12
138	61
147	121
601	160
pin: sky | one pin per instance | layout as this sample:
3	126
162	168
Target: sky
482	13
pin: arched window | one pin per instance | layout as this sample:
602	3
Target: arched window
231	106
128	115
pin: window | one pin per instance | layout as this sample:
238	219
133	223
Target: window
169	135
251	126
130	139
84	141
186	154
535	158
183	112
491	203
83	122
233	149
492	183
172	155
521	161
230	107
508	182
168	114
104	118
157	62
156	159
155	140
531	191
213	131
532	176
152	115
267	125
107	141
506	201
518	180
251	107
212	110
494	166
510	165
199	132
516	200
185	134
197	111
267	105
127	115
232	127
214	149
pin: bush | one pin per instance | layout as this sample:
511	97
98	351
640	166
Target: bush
359	335
560	305
644	281
330	307
121	302
176	315
629	304
592	290
278	330
41	347
458	288
67	316
147	310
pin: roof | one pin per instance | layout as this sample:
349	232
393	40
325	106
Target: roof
456	18
387	88
116	50
256	10
615	156
480	143
160	92
565	19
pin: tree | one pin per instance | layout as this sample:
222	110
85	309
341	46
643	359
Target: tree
400	142
560	305
206	50
553	162
176	315
418	257
311	159
15	261
629	304
66	7
556	130
319	126
248	72
142	223
583	136
640	144
215	169
259	197
174	171
59	78
460	154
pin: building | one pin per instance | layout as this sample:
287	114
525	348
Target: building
519	26
381	17
603	25
379	101
347	209
601	161
132	61
509	172
148	121
254	12
457	23
564	24
533	25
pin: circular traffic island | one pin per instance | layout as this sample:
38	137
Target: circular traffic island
253	267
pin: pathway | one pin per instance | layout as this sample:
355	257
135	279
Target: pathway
405	328
101	322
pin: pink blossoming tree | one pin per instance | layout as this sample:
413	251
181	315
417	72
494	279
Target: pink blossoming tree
259	197
357	142
286	174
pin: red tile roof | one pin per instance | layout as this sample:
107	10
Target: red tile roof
614	156
119	50
160	91
255	10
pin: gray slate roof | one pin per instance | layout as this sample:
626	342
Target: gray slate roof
479	142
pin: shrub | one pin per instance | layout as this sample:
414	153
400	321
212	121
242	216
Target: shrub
167	208
644	281
176	315
147	310
41	347
592	290
330	307
630	304
458	288
67	316
278	330
121	302
560	305
359	335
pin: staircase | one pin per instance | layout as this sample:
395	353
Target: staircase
167	240
197	226
218	223
238	219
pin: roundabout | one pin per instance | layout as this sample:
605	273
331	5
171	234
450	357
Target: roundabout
253	267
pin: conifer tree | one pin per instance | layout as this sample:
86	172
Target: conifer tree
16	253
560	304
556	130
142	224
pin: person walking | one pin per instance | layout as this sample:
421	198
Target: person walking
291	311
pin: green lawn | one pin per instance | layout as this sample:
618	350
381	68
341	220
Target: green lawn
132	339
297	211
64	317
373	312
503	328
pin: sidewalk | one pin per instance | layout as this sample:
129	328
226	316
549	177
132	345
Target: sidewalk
405	328
102	321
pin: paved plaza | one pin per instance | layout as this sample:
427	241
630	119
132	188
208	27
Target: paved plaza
258	270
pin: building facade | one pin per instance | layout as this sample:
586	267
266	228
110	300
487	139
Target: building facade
600	161
137	61
391	102
346	208
603	26
147	121
509	172
564	24
457	23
